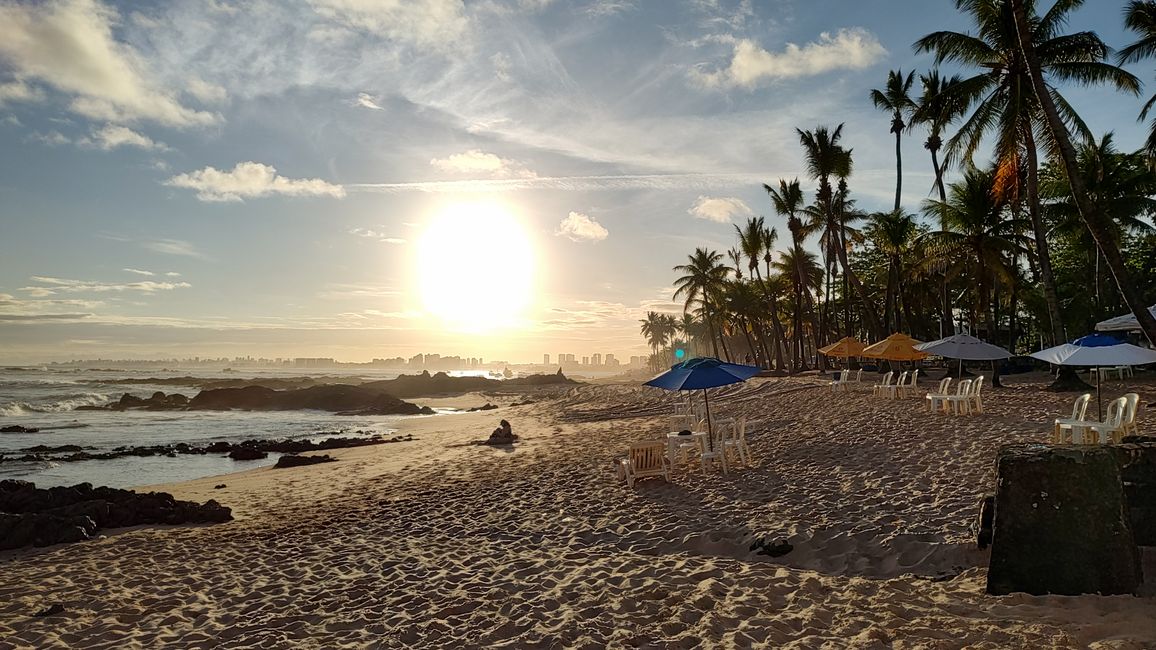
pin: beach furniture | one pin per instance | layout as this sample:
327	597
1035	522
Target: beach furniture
937	400
1090	433
737	443
840	384
645	459
683	446
892	391
1062	425
859	376
955	403
715	450
885	385
910	388
1129	424
975	397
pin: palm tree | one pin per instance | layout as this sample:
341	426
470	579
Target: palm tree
892	233
1007	102
703	279
977	241
652	331
788	201
1140	17
938	107
801	269
1096	221
755	240
826	158
895	98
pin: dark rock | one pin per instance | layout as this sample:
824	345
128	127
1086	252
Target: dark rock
247	453
219	447
1137	459
220	486
1061	524
776	548
485	407
52	610
330	397
300	461
16	428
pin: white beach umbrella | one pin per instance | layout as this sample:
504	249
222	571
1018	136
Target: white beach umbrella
1097	350
962	346
1125	323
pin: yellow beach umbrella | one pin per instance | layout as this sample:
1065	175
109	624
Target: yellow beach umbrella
844	347
897	347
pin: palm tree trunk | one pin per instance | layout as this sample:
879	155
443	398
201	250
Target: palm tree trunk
898	168
868	310
1043	255
1095	221
945	324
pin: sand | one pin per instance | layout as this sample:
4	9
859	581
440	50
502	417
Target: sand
434	544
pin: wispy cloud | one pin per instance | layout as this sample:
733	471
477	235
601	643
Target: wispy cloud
249	180
579	227
112	136
719	209
173	247
139	272
69	45
436	24
365	100
847	49
571	183
49	286
369	233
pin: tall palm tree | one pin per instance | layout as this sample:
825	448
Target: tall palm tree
938	107
652	331
703	277
1140	17
1096	221
755	240
1008	104
803	273
788	201
824	158
895	98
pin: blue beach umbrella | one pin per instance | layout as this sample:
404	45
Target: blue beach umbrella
1096	350
702	373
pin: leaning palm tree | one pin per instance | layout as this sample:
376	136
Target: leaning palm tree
1009	107
704	275
895	98
1140	17
788	201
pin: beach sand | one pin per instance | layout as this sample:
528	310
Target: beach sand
434	544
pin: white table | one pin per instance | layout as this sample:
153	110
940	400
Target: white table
673	440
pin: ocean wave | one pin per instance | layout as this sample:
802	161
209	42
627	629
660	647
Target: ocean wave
59	405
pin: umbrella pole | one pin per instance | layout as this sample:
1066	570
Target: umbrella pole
1099	399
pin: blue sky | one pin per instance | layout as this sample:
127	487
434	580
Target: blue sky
213	177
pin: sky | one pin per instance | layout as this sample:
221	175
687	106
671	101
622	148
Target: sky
280	179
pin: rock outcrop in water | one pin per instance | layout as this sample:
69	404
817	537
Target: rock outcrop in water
338	398
30	516
441	383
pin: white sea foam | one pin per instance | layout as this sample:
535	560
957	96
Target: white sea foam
59	405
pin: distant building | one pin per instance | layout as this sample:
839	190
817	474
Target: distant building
611	361
545	359
596	359
313	362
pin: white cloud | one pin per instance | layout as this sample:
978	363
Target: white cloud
579	227
112	136
365	100
172	274
19	91
69	44
475	161
608	7
369	233
51	286
172	247
250	180
206	92
139	272
848	49
433	23
720	209
52	138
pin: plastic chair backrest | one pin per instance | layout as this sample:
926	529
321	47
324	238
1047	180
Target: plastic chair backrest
913	379
964	388
844	375
944	385
1132	403
1116	408
859	375
887	378
976	386
1080	408
902	381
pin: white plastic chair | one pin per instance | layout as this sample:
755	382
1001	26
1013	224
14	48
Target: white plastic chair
737	442
717	451
1079	412
840	384
974	397
958	402
1090	433
1128	427
909	389
877	388
936	400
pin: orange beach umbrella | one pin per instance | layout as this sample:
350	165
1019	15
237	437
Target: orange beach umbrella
844	347
897	347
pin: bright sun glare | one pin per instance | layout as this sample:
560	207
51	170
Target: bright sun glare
475	267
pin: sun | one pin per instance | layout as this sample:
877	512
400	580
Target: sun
475	267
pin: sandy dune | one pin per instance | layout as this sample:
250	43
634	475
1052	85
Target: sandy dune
434	544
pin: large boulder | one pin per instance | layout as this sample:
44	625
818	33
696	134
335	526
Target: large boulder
328	397
247	453
1061	524
292	460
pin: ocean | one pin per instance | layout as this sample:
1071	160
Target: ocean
47	399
